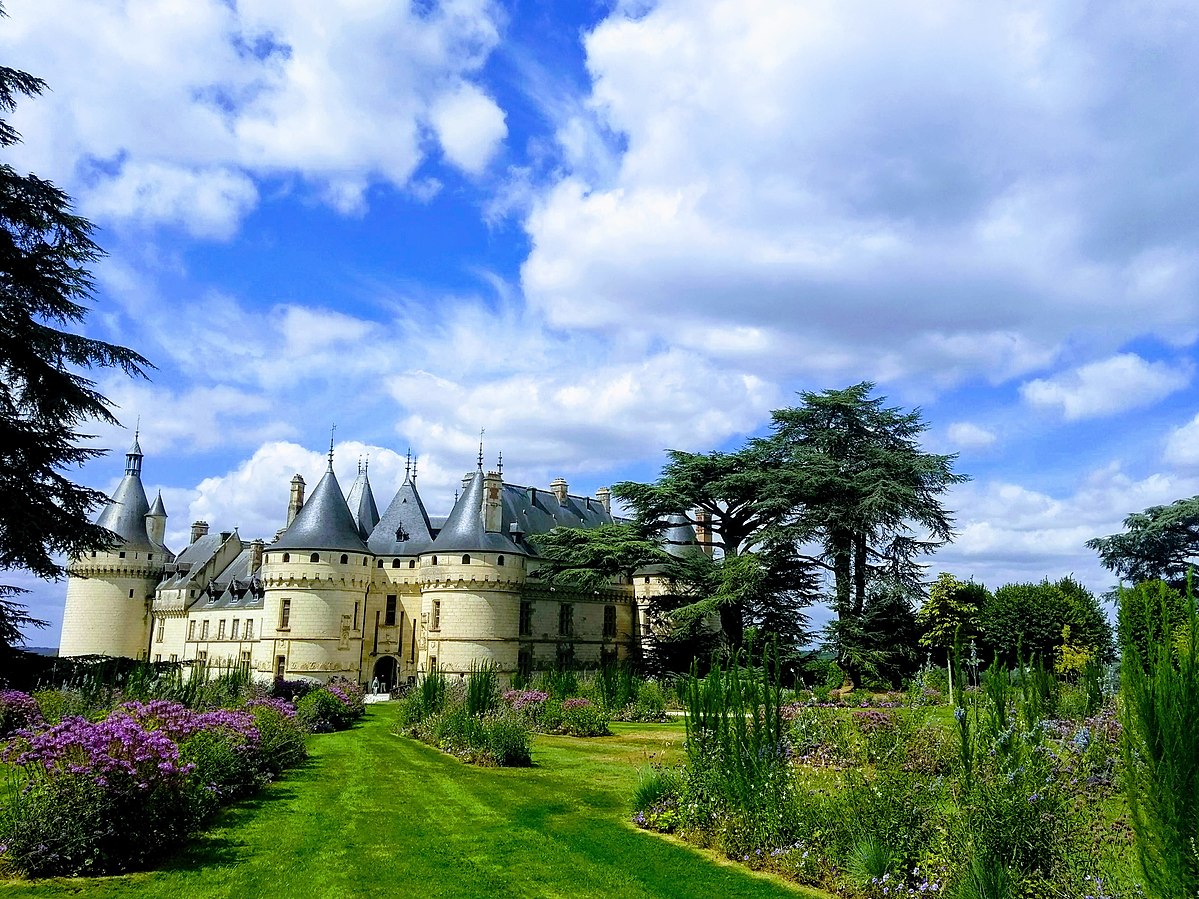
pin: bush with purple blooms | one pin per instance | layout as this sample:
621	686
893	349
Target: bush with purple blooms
94	797
335	706
17	710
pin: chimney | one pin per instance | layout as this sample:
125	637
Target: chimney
604	495
256	547
492	507
297	499
559	487
199	529
703	531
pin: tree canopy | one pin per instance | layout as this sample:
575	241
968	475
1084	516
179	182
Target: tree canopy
1160	543
1023	621
45	396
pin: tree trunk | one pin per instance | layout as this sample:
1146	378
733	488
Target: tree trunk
859	573
842	570
732	623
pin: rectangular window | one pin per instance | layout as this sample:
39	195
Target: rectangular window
220	629
280	666
436	623
285	614
204	629
609	622
174	658
191	630
249	628
566	656
201	656
245	660
566	619
162	626
157	657
234	628
355	616
389	615
524	660
526	618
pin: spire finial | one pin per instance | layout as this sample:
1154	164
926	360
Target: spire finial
408	464
332	431
366	464
481	432
414	469
500	465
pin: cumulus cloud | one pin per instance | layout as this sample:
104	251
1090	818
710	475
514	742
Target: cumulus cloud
1011	532
1121	382
970	436
199	99
1182	445
817	179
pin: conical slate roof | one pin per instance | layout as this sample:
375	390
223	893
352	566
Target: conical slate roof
464	531
678	538
158	509
125	514
324	521
361	502
404	529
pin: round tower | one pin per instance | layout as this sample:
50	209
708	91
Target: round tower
109	592
471	582
314	575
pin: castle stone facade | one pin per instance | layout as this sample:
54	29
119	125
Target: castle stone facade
345	591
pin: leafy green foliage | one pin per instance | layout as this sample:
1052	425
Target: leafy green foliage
1160	750
1027	620
1160	543
1144	614
588	559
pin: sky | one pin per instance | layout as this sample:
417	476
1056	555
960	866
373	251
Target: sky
598	230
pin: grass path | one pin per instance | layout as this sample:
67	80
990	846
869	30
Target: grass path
377	815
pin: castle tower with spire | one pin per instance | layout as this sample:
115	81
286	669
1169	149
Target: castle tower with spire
109	592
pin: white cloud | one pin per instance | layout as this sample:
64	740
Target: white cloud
814	178
1121	382
470	127
161	111
1009	532
970	436
1182	445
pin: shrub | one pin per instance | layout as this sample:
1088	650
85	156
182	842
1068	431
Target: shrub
482	688
654	784
91	798
293	690
17	710
281	741
583	718
508	741
1160	748
226	765
320	712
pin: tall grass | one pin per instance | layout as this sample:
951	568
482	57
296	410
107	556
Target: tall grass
482	688
1160	749
735	740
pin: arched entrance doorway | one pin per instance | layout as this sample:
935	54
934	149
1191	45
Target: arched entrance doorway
387	671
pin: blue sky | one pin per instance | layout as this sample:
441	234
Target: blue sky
598	230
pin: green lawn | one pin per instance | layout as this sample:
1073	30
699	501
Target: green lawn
374	814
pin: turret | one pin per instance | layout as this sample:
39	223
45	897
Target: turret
156	521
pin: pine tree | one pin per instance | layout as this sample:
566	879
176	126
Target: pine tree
45	395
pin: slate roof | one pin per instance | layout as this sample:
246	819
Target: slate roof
361	502
324	521
525	512
158	508
125	514
236	587
191	560
404	528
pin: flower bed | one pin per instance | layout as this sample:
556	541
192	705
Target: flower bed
109	795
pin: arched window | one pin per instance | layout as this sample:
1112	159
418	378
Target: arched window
344	558
412	563
380	565
499	560
466	560
395	563
315	557
364	561
287	557
435	560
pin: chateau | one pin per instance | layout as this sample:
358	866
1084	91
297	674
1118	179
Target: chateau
344	591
